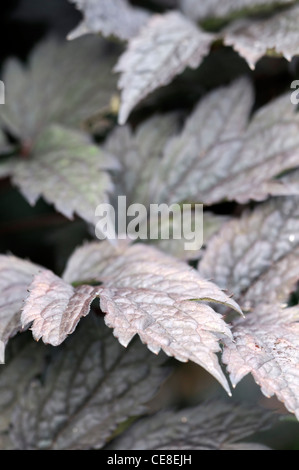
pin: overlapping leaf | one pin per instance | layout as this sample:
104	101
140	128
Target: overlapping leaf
90	386
185	330
225	8
216	157
65	83
89	261
254	39
15	277
210	426
66	169
117	18
209	139
287	183
147	293
266	344
165	46
276	284
138	155
256	257
173	40
55	307
74	397
211	224
144	292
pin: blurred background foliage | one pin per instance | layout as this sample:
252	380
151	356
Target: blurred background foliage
46	237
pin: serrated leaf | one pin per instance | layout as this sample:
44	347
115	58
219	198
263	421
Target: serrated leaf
266	344
138	155
62	166
217	156
15	277
254	39
67	169
165	46
209	139
65	83
146	293
259	252
110	18
161	273
143	292
90	386
182	329
210	426
55	307
225	8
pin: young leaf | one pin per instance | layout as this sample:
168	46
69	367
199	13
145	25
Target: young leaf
144	292
211	426
165	46
67	169
276	35
15	277
224	8
266	344
110	18
90	386
65	83
260	248
216	157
